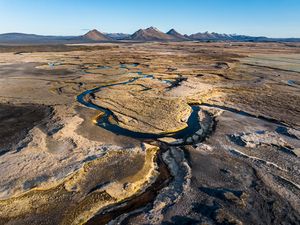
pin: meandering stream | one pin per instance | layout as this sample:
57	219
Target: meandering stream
192	122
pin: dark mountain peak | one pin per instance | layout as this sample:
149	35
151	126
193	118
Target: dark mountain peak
152	29
140	31
94	31
172	31
176	35
96	35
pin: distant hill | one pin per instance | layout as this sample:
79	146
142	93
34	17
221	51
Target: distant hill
206	36
209	36
150	34
21	38
95	35
177	36
118	36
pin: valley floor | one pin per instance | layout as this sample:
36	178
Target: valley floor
150	133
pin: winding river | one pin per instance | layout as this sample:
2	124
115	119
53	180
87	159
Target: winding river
193	121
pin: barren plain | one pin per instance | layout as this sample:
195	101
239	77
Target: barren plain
150	133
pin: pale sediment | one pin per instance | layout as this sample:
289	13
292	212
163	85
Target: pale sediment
82	192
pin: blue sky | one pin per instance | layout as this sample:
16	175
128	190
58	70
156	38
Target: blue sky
273	18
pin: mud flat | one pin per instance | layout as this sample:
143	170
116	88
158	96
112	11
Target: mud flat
136	133
17	121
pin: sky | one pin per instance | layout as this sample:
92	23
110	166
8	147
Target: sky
271	18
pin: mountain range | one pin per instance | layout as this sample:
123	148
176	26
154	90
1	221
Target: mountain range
142	35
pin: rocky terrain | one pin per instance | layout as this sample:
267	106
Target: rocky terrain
150	133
